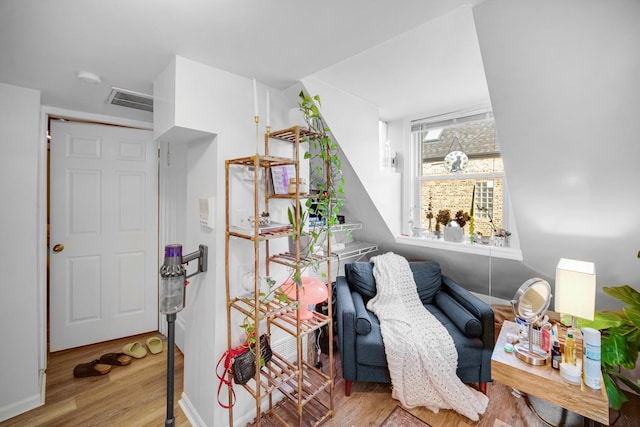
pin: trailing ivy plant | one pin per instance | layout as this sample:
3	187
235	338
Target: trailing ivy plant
620	342
324	157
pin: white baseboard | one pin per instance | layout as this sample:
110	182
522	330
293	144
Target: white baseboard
17	408
190	412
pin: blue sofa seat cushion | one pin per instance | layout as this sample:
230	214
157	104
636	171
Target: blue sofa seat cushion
370	352
426	274
465	321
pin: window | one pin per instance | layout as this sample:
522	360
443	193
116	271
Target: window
438	189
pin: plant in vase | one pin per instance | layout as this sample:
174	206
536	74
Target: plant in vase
472	228
462	217
298	233
430	211
500	234
454	230
442	218
620	332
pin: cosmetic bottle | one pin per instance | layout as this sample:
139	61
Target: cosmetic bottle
556	356
591	357
570	347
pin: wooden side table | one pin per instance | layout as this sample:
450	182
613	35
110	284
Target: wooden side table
545	383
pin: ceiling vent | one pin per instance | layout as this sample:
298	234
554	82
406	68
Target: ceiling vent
130	99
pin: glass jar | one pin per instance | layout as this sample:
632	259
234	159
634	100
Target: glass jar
302	186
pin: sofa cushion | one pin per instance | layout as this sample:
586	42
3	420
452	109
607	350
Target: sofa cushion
360	278
465	321
428	279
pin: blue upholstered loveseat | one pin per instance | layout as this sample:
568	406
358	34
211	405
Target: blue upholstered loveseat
468	319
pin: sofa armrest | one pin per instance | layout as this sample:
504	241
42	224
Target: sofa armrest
346	320
474	305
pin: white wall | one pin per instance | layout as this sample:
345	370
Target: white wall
563	79
19	317
224	104
354	123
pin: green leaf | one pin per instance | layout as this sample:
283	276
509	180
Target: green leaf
603	320
615	395
616	352
633	313
307	155
624	293
283	298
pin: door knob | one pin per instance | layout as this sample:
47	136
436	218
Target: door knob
58	248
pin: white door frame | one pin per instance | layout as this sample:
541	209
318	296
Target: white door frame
41	256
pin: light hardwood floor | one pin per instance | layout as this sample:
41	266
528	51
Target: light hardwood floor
135	395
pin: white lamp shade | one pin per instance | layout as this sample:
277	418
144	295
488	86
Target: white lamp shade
575	288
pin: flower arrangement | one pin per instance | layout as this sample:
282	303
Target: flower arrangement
443	217
462	217
430	211
497	231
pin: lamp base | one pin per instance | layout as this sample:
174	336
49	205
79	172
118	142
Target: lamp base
535	356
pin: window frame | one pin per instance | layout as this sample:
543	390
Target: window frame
414	167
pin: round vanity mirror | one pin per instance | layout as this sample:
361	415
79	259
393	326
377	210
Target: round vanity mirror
530	304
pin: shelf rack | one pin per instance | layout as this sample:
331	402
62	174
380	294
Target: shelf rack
307	391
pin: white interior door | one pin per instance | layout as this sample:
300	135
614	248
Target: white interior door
104	233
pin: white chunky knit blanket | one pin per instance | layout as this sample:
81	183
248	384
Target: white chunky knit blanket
421	355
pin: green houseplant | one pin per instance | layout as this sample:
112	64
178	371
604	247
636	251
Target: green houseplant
620	342
326	171
298	233
330	183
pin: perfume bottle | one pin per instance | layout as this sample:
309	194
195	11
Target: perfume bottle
556	356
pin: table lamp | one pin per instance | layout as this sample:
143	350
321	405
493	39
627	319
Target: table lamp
312	291
575	289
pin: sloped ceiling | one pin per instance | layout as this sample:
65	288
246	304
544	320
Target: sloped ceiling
127	44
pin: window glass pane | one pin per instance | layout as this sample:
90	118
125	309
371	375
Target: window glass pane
477	139
455	194
440	189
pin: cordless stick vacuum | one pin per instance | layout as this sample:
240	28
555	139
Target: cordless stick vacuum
173	279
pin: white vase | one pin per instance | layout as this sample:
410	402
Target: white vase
453	233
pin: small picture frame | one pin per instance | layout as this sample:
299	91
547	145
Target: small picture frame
280	177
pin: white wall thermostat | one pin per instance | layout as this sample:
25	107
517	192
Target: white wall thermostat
207	209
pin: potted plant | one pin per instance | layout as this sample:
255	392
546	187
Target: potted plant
443	218
620	342
462	217
298	233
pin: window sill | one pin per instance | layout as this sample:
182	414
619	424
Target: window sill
464	247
